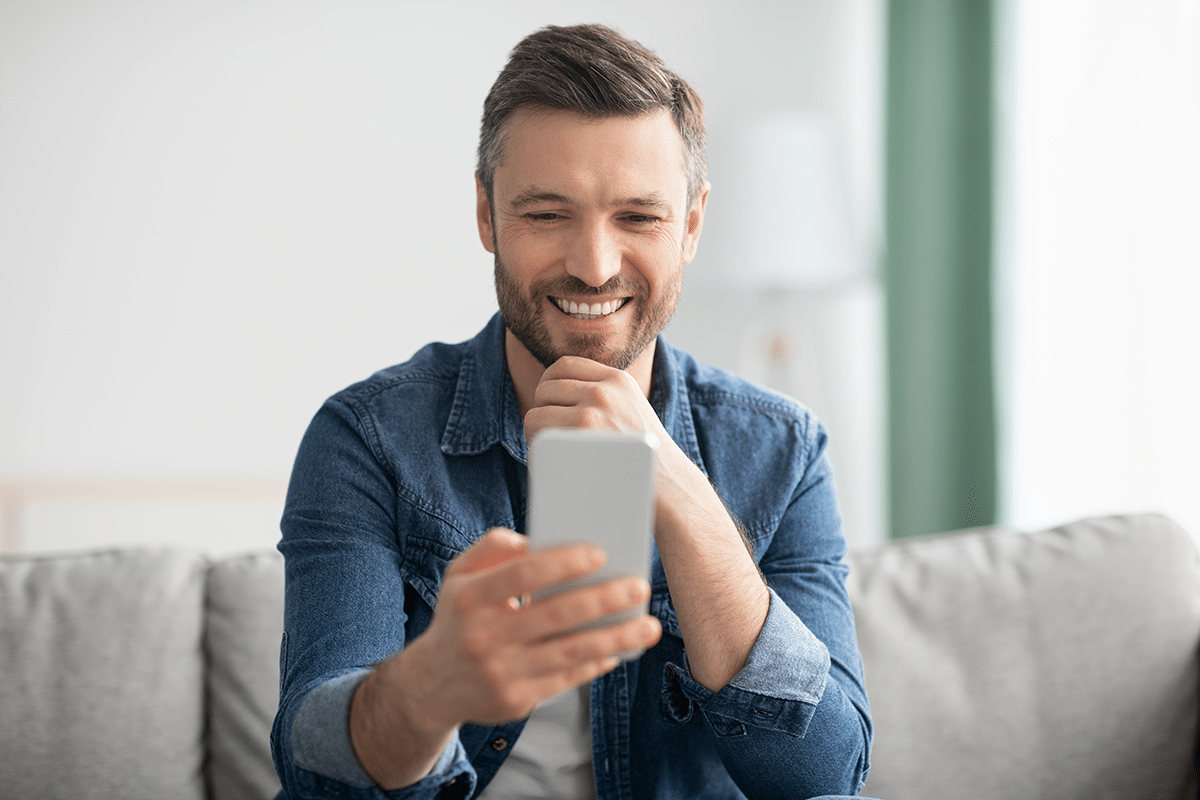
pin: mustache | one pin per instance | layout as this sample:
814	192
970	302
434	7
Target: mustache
570	285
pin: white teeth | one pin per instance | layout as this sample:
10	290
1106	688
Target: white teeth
585	311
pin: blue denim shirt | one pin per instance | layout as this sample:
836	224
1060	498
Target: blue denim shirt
398	474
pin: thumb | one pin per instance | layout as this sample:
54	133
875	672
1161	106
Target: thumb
495	547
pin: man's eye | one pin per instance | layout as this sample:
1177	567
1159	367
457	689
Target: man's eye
545	216
640	219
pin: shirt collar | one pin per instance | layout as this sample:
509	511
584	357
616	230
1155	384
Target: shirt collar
485	412
670	400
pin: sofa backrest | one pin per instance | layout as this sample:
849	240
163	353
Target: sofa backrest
139	673
101	675
1059	665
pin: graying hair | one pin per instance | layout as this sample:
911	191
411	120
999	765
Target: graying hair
594	71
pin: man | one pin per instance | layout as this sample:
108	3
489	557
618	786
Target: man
410	665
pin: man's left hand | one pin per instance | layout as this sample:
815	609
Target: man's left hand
577	392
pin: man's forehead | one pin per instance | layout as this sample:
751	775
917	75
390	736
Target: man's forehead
542	145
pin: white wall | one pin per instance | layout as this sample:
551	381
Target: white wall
1100	342
215	213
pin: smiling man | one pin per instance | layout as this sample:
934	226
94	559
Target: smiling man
410	668
591	223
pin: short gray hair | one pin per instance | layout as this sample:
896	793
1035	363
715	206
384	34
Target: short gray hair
594	71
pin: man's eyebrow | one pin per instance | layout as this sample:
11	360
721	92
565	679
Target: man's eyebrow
534	196
652	200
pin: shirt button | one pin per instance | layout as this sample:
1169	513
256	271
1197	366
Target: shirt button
499	744
670	672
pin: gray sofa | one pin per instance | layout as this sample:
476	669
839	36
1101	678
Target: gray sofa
1057	664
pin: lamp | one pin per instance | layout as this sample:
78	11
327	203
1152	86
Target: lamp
792	206
792	236
815	325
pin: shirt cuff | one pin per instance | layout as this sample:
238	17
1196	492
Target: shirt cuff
320	740
321	735
778	688
787	661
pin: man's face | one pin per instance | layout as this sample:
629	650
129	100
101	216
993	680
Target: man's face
590	232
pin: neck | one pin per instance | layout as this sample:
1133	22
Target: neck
526	371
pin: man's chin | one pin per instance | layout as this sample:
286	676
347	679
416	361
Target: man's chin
596	347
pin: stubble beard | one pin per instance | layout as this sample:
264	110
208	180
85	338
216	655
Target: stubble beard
524	316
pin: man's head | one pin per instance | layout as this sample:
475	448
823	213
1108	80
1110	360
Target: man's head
591	194
595	72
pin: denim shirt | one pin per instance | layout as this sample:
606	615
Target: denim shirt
399	473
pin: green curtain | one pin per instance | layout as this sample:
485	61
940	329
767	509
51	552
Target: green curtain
938	265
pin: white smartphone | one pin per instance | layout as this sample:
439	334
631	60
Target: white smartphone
594	486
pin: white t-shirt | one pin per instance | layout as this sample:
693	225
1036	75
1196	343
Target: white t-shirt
552	758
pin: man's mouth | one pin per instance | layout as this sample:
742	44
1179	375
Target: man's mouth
589	310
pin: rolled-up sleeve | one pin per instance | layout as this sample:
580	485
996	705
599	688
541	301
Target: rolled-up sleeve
322	753
794	721
342	614
779	687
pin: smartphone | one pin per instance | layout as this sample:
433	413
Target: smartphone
594	486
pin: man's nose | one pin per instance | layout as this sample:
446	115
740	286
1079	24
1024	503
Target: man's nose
595	256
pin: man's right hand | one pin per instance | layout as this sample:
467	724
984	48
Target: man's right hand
486	657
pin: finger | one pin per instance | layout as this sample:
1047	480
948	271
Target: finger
578	368
533	673
570	392
570	417
558	613
571	374
556	682
520	696
552	667
495	547
581	647
535	571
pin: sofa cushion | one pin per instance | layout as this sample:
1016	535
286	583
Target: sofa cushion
245	625
102	693
1060	664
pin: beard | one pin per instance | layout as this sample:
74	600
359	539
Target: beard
524	316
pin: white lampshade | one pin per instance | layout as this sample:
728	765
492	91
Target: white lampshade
792	209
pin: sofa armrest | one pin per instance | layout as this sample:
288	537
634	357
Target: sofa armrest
1056	664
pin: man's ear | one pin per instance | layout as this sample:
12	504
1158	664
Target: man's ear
695	224
483	217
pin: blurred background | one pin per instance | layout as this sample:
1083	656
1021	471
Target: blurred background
962	232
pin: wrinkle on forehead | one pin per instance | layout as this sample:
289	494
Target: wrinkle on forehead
542	137
536	195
